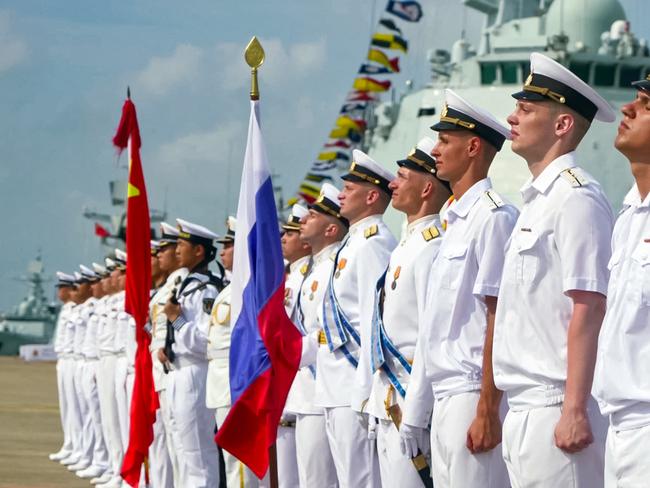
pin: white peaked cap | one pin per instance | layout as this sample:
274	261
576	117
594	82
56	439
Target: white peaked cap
362	159
455	101
298	211
99	269
426	145
87	272
109	263
120	255
330	192
543	65
168	229
195	230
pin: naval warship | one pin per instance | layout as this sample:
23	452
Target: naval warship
592	38
33	320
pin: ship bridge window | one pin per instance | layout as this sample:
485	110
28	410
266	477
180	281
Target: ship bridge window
604	75
628	75
581	70
509	73
488	73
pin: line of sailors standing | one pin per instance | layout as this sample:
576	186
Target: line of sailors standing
409	346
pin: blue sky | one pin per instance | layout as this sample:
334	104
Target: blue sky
64	68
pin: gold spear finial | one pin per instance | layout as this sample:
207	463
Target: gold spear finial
254	56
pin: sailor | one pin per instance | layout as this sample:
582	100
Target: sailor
165	467
108	354
65	283
554	288
453	359
400	300
121	337
188	313
218	378
74	419
80	316
621	384
343	375
297	254
322	229
90	352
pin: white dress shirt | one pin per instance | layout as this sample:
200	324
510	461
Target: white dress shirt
449	353
561	243
405	292
621	381
362	260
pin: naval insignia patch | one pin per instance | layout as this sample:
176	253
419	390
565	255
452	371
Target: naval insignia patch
207	305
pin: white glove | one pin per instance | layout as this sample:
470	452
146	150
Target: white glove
372	427
409	438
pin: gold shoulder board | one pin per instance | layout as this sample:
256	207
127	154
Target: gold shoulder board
371	231
430	233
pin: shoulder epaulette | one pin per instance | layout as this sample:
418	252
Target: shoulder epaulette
304	268
430	233
492	199
575	177
371	231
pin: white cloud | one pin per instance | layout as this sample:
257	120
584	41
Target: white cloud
162	74
283	62
208	146
13	51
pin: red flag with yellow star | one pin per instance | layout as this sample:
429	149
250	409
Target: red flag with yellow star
138	284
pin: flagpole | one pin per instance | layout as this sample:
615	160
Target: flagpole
254	56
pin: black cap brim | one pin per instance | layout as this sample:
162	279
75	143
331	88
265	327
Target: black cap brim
642	85
529	95
357	179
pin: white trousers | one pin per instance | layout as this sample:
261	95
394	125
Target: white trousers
395	469
315	462
121	399
626	458
160	464
452	464
62	368
237	474
193	427
87	438
533	459
287	463
167	419
355	456
109	413
73	417
100	453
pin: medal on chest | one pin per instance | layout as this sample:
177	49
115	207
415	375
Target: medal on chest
314	287
288	292
340	267
396	274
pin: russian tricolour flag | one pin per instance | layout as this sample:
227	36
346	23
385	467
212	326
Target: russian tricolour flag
265	346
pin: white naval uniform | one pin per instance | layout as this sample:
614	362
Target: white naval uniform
314	458
192	421
342	387
121	366
286	439
73	416
561	242
449	356
621	383
106	384
218	383
63	365
405	292
87	435
90	351
164	462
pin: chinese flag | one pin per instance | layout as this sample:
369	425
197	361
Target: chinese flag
138	283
